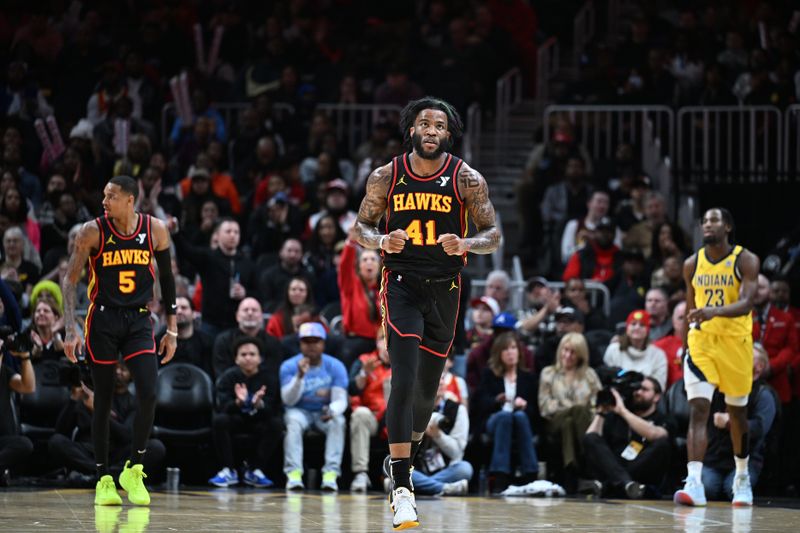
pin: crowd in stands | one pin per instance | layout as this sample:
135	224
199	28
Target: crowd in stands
278	309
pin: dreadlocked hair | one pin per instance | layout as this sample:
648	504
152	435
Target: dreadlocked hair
409	114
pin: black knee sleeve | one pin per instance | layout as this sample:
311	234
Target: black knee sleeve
404	357
103	379
144	369
429	372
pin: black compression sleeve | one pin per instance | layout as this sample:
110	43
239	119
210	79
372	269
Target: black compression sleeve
166	279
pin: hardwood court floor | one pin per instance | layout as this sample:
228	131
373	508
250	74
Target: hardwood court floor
229	511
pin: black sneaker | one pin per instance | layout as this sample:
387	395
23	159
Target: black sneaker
591	487
634	490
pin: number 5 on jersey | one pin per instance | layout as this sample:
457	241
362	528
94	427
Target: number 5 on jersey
127	283
414	231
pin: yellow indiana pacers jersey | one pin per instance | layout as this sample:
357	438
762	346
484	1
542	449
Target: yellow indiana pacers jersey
717	284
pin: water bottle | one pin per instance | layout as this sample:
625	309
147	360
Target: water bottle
173	479
483	482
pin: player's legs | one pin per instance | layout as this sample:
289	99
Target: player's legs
740	439
429	372
404	356
144	370
700	376
103	380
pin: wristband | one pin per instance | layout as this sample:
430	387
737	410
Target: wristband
380	243
172	333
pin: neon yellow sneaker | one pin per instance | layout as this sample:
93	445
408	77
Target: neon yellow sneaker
138	520
106	492
106	518
131	480
294	480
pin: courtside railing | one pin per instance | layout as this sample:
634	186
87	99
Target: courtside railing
354	122
601	128
730	144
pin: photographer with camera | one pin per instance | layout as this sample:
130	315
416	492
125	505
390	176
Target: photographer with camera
439	466
16	375
627	444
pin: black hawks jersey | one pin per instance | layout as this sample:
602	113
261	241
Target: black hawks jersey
425	207
121	274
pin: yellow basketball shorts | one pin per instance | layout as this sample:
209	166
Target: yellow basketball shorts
725	361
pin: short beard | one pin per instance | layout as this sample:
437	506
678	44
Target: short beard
711	239
639	407
416	142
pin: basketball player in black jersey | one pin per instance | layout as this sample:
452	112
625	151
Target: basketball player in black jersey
119	248
425	197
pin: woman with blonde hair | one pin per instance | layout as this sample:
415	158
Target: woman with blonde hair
505	400
567	392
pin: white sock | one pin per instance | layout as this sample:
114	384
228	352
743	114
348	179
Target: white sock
695	470
741	465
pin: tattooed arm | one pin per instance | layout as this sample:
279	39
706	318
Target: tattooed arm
473	189
87	241
373	207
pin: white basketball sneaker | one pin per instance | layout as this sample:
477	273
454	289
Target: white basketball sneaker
742	492
404	508
693	493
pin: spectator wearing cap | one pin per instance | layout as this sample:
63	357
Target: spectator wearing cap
600	260
199	193
271	224
359	283
629	286
579	231
478	357
498	286
221	182
634	352
484	309
336	204
567	392
673	344
656	303
314	391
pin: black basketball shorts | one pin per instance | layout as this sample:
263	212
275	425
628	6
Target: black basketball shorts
112	332
424	308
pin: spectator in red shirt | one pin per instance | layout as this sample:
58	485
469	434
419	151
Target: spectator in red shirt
775	330
370	377
599	260
358	290
673	344
298	292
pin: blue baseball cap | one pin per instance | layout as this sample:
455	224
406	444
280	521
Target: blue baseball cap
505	321
311	330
